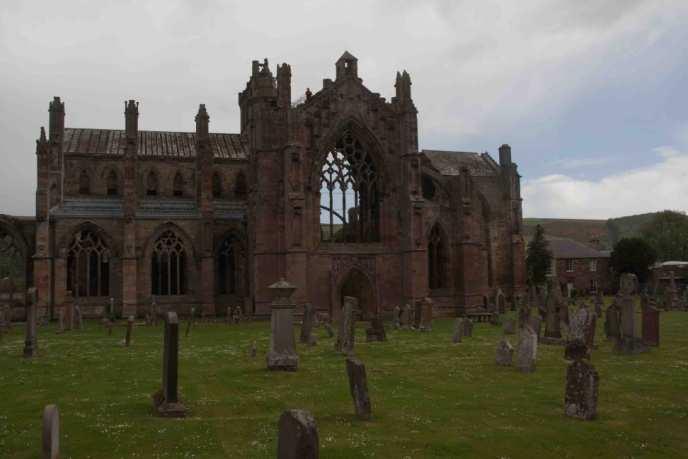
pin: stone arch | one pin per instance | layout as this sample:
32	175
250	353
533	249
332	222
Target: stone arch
110	177
439	260
89	254
14	252
231	264
151	182
189	262
65	240
358	284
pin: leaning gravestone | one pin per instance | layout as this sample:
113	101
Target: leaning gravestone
282	355
306	336
358	386
505	353
166	401
30	341
582	381
458	331
527	350
298	436
51	432
346	330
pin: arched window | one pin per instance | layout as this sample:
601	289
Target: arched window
437	259
240	187
349	201
88	265
84	183
178	185
11	258
217	185
168	265
152	184
112	185
230	263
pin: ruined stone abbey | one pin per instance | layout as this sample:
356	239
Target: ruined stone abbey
330	193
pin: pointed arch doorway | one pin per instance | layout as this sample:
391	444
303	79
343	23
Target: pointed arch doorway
359	286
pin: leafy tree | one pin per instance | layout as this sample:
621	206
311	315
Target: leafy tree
538	257
633	255
667	233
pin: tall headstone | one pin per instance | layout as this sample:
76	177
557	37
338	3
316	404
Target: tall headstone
467	327
582	382
358	386
166	401
51	432
527	350
346	330
406	316
130	327
397	318
611	320
579	324
30	341
426	318
78	318
505	353
306	336
282	354
298	436
627	342
458	331
69	310
376	331
500	301
650	325
553	317
599	303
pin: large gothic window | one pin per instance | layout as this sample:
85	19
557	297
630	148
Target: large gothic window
152	184
437	259
230	261
88	265
168	265
349	201
11	258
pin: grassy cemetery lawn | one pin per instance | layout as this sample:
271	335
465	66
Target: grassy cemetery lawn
429	398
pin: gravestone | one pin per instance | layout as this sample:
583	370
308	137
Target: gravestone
166	401
527	350
553	315
627	342
599	303
459	328
30	341
69	310
467	327
535	323
328	329
347	323
306	336
236	315
582	381
505	353
590	332
500	301
417	315
406	316
376	332
51	432
78	317
111	309
650	325
673	300
298	436
253	351
579	324
611	321
282	355
60	320
523	314
228	315
130	327
358	386
397	319
510	327
189	322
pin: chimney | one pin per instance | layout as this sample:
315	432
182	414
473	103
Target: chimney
56	110
131	120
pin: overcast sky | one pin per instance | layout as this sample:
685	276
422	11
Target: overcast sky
591	95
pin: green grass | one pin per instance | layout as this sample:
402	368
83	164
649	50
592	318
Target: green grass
429	398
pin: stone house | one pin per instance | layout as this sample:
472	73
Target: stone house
330	192
579	267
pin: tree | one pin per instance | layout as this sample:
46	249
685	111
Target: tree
633	255
538	257
667	233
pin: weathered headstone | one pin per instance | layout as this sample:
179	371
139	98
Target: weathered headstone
282	355
627	342
306	336
599	302
130	327
358	386
406	318
346	330
30	341
328	329
458	331
189	322
467	327
650	325
78	317
60	320
527	350
376	332
579	324
166	401
500	301
505	353
51	432
582	381
298	436
236	315
509	327
553	316
611	322
397	319
228	315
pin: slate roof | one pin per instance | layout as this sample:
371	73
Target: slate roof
451	162
153	144
568	248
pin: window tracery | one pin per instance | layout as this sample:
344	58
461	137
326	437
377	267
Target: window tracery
88	265
168	265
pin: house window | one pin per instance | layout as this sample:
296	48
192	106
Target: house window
168	265
593	285
88	267
593	266
570	265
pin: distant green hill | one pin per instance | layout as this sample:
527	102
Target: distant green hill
602	234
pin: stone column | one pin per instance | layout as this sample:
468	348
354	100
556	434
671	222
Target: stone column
166	400
282	355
